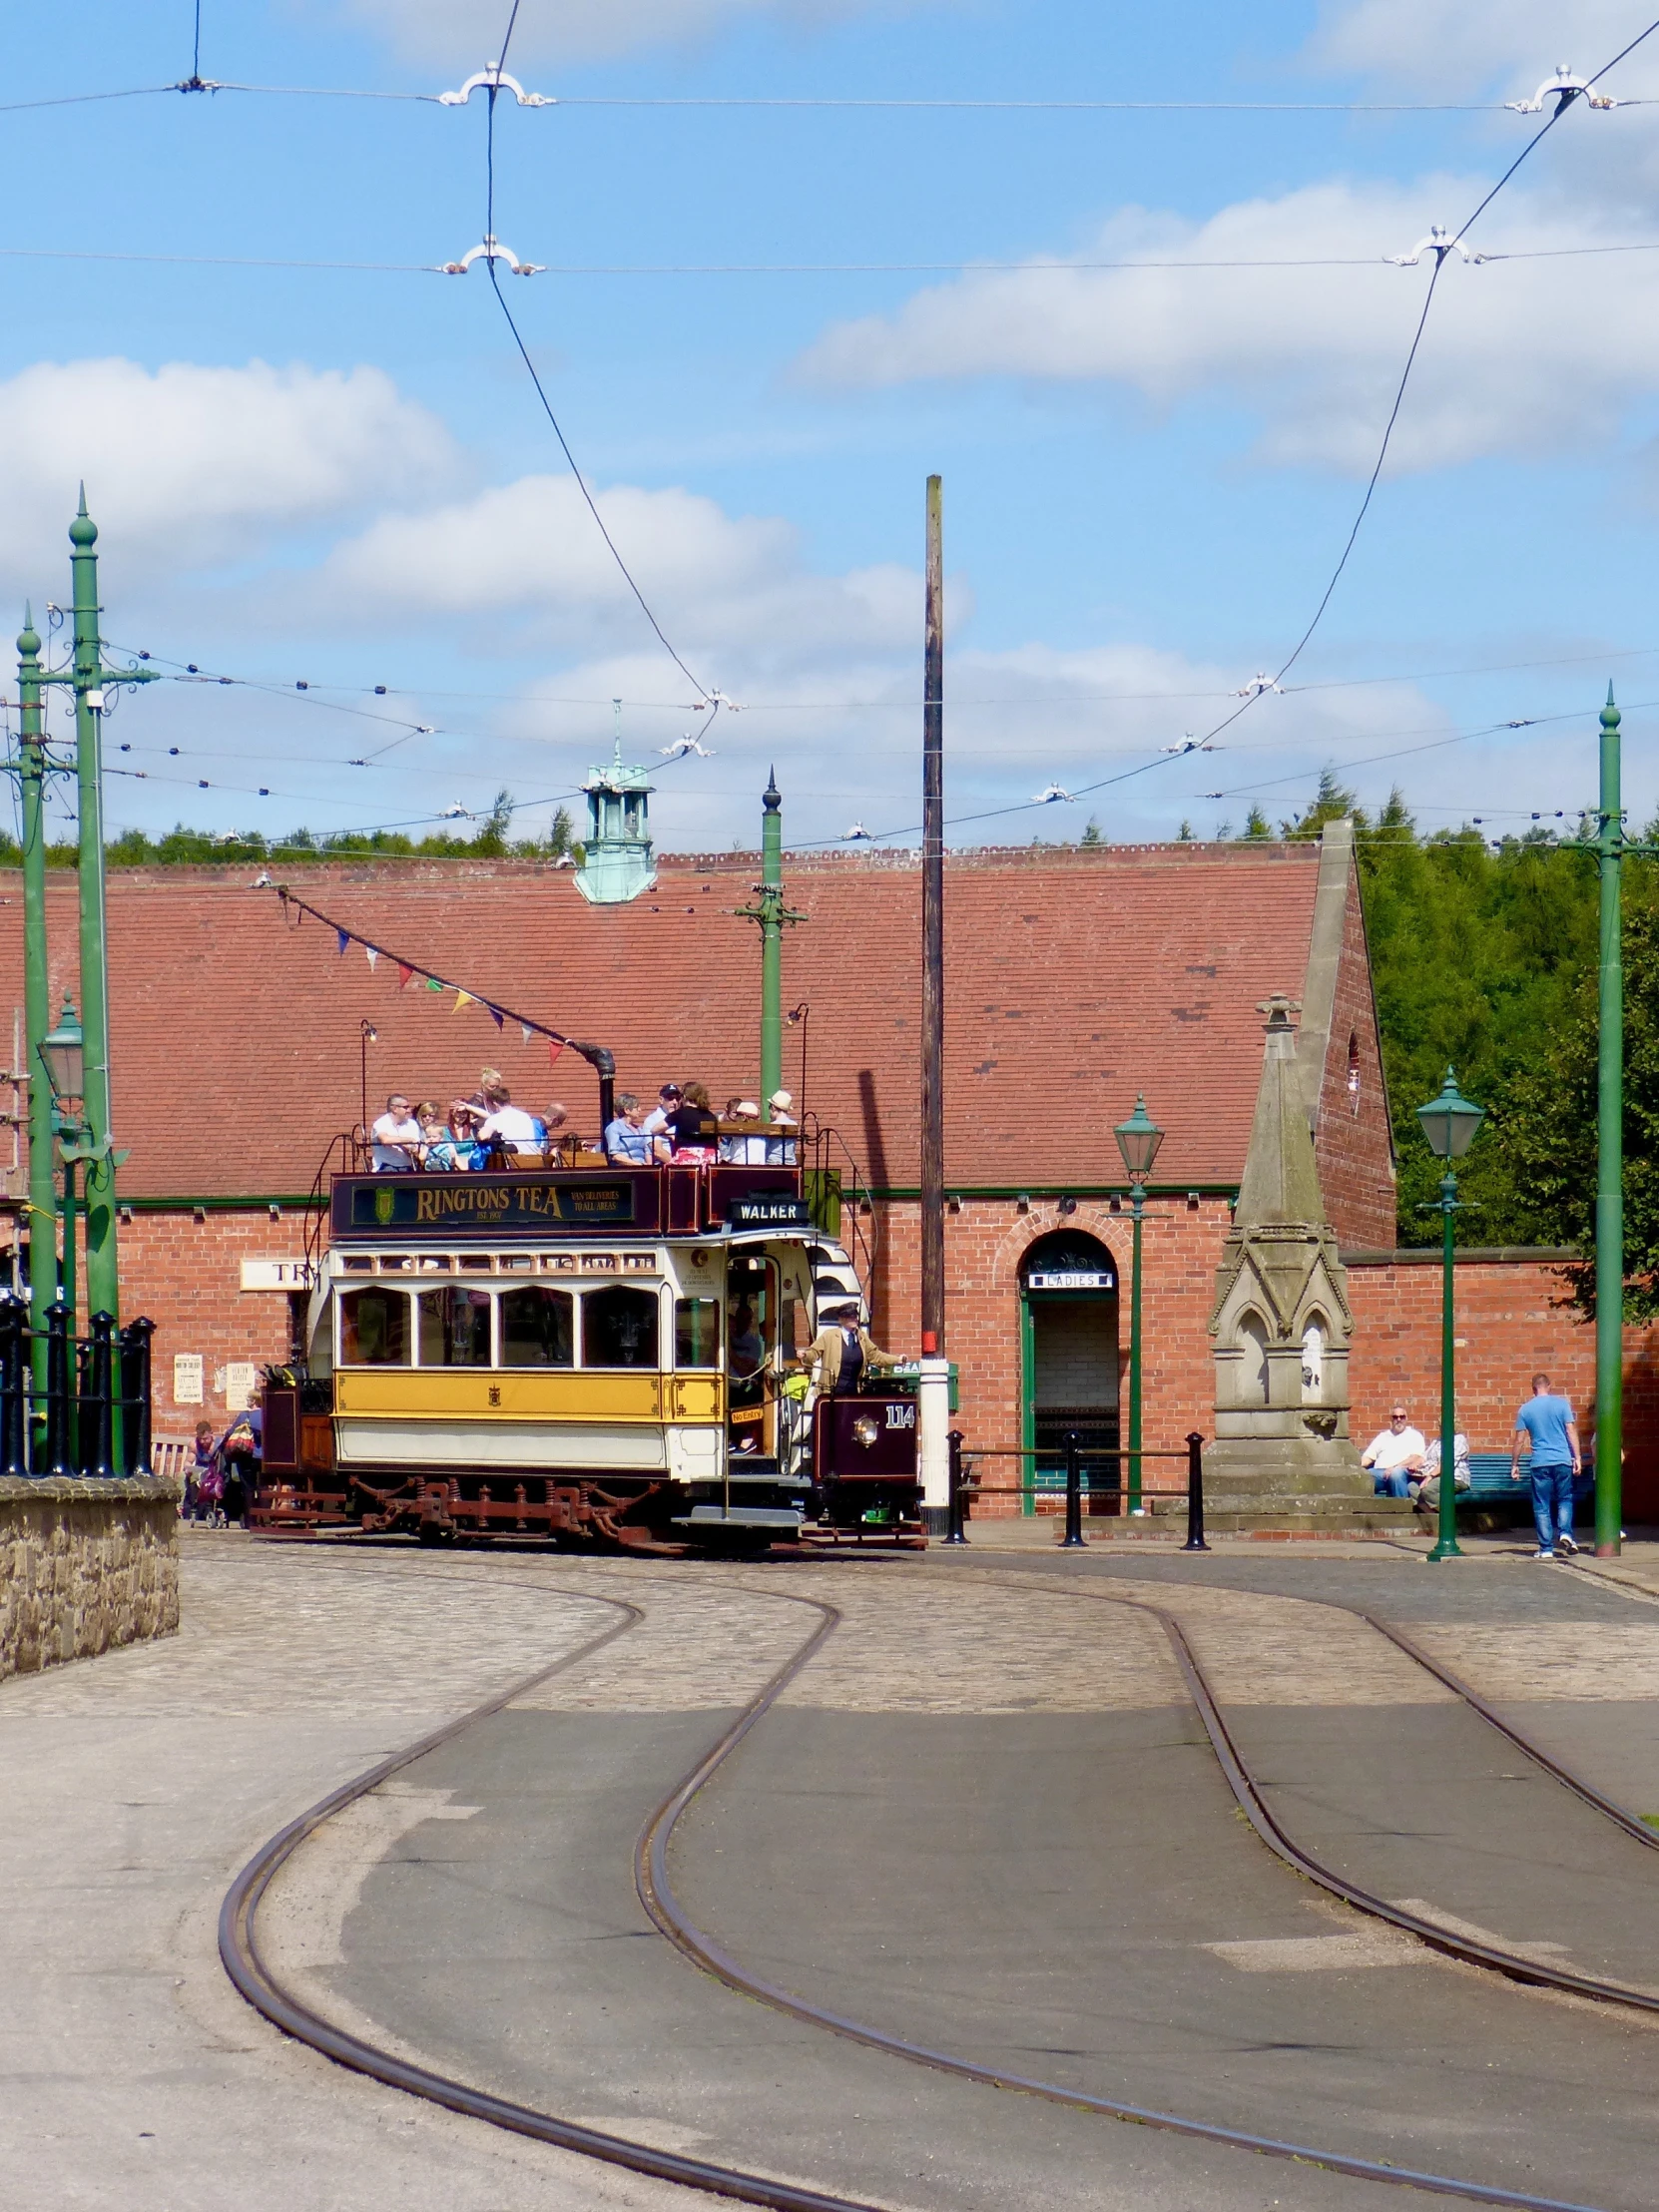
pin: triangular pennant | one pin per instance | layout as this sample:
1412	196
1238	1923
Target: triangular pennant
462	998
404	975
555	1045
496	1015
433	984
525	1031
344	936
372	954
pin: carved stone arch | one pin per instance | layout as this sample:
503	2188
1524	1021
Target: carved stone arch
1250	1378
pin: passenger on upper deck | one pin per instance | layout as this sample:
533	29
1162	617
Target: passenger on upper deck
746	1147
557	1130
692	1126
394	1138
625	1138
667	1101
508	1127
780	1150
842	1354
778	1111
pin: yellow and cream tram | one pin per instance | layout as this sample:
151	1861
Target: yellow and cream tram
592	1353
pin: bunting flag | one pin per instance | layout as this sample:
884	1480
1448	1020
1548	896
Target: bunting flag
297	911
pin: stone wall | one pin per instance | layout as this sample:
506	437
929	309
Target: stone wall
85	1566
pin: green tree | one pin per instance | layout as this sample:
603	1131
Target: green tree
1256	825
1091	833
1184	836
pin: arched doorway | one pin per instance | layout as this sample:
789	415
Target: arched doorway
1068	1284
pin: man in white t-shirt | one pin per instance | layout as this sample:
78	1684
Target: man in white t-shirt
393	1138
1393	1456
511	1125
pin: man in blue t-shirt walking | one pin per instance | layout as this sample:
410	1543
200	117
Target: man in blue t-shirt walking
1545	1423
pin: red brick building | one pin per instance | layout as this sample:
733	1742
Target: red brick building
1075	979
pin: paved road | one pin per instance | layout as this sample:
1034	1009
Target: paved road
984	1815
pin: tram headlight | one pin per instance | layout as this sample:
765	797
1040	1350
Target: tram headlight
865	1430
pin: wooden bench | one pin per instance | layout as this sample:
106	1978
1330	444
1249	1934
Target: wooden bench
1491	1493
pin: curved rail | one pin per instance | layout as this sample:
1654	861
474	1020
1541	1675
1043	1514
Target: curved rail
239	1953
1518	1737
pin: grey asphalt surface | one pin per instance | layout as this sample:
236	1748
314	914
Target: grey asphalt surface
1035	1891
513	1950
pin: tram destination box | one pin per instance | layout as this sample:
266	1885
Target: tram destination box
534	1206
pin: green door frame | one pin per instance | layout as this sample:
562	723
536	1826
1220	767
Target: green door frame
1028	1372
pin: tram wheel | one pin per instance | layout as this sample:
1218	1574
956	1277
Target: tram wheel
433	1532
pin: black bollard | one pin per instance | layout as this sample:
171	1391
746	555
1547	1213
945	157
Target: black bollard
60	1398
1195	1493
14	1385
98	1400
135	1395
1074	1494
954	1521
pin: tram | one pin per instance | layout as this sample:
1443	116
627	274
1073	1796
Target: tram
599	1354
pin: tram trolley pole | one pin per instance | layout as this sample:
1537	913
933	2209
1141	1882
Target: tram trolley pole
953	1528
1074	1536
60	1398
1195	1493
14	1389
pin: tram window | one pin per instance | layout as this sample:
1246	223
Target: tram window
618	1327
455	1327
536	1328
374	1328
696	1331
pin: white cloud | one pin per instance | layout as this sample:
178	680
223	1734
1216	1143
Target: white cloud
187	464
529	555
467	34
1455	53
1314	353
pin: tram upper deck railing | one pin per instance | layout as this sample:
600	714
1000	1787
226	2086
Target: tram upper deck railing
526	1203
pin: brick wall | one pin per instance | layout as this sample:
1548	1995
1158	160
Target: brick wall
1509	1322
186	1276
984	1243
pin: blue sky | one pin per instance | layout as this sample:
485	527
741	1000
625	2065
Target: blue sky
343	475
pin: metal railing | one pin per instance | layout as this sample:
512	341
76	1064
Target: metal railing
90	1414
1078	1483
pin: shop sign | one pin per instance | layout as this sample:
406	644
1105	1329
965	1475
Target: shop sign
275	1275
767	1213
1071	1279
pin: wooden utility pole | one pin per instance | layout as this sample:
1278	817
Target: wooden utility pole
934	1391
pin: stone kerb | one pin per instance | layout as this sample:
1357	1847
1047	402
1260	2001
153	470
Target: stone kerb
87	1566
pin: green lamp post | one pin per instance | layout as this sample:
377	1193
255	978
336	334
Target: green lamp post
1138	1140
63	1055
1449	1123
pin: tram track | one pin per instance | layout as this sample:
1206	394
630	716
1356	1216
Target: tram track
258	1985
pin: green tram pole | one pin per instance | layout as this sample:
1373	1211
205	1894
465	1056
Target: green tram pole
89	678
37	1008
771	913
1609	1271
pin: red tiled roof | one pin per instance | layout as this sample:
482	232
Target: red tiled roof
1074	979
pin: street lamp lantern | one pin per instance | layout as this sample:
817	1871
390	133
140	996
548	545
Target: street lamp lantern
1138	1140
63	1050
1448	1122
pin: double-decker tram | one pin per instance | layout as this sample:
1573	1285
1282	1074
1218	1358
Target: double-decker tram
598	1352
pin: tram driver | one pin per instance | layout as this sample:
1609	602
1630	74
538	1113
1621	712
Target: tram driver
843	1353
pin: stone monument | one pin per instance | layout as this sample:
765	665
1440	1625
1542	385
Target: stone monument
1283	1459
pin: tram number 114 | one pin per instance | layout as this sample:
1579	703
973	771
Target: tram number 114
902	1416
